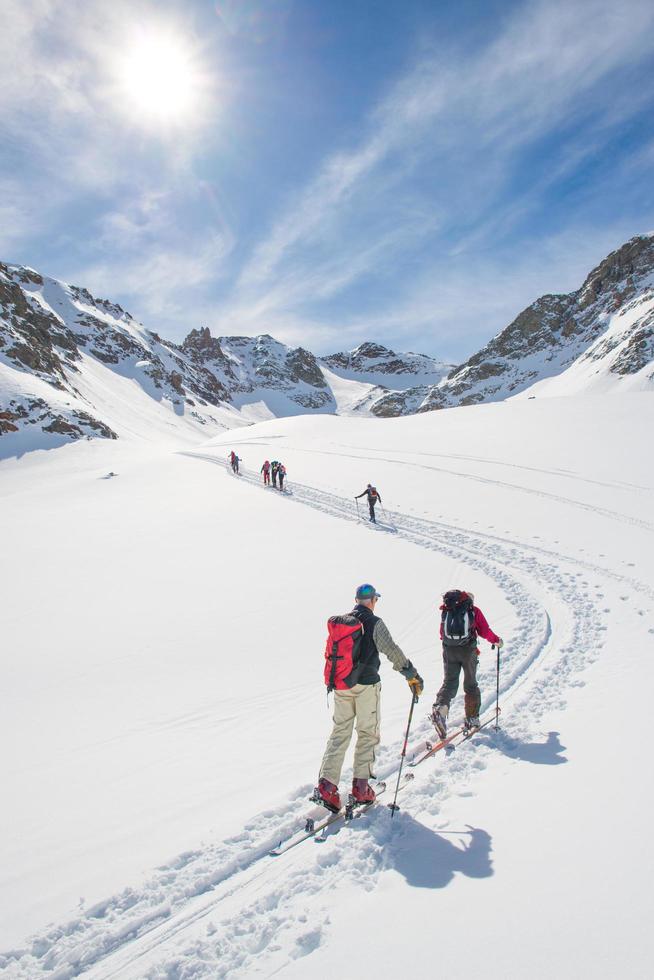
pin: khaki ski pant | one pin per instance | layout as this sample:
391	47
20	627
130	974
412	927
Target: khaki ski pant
361	704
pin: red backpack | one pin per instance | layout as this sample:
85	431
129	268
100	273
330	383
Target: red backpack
342	652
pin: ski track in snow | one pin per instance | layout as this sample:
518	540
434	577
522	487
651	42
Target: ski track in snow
213	911
475	478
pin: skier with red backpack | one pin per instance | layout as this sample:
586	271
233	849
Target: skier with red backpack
373	497
461	623
352	663
265	469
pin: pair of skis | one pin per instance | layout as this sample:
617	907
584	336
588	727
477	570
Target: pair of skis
317	826
431	748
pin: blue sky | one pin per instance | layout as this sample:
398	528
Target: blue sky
414	172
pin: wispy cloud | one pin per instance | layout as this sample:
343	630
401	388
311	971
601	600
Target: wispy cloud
163	282
461	125
162	269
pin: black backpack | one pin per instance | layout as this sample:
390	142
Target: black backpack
458	619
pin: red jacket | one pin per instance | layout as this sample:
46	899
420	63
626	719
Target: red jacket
481	626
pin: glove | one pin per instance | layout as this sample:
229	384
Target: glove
500	643
417	685
413	679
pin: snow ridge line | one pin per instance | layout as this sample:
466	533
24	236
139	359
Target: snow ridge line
193	887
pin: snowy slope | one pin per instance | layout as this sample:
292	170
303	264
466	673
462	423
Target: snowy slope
383	369
598	338
174	669
267	379
71	363
620	359
72	366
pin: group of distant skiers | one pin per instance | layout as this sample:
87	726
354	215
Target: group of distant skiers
274	471
352	663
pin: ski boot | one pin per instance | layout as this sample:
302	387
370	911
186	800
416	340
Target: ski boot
471	724
326	794
439	718
362	791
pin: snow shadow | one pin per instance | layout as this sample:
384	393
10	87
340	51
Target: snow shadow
427	859
547	753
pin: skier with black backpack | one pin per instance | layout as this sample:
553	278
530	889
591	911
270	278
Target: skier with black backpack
461	623
373	497
352	663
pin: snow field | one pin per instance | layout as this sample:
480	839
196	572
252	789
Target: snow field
506	835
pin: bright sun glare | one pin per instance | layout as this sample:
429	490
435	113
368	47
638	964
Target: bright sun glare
160	79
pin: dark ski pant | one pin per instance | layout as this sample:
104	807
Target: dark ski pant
371	505
281	481
455	658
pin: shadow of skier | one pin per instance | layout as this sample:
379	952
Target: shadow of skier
427	859
547	753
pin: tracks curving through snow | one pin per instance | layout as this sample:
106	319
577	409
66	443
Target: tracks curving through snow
224	904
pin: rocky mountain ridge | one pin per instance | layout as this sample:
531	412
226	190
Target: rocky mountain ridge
60	348
595	337
73	366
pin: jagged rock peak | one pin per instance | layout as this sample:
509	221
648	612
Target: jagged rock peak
201	342
370	349
626	264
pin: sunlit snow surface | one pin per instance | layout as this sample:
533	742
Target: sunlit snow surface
163	716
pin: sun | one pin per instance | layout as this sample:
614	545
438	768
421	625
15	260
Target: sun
160	79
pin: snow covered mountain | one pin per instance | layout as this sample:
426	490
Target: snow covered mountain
73	366
600	337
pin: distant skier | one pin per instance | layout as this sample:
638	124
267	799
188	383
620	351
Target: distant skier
461	623
373	497
274	467
281	473
234	461
265	469
353	673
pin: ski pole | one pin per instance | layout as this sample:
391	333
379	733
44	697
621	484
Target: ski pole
357	503
393	806
497	691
